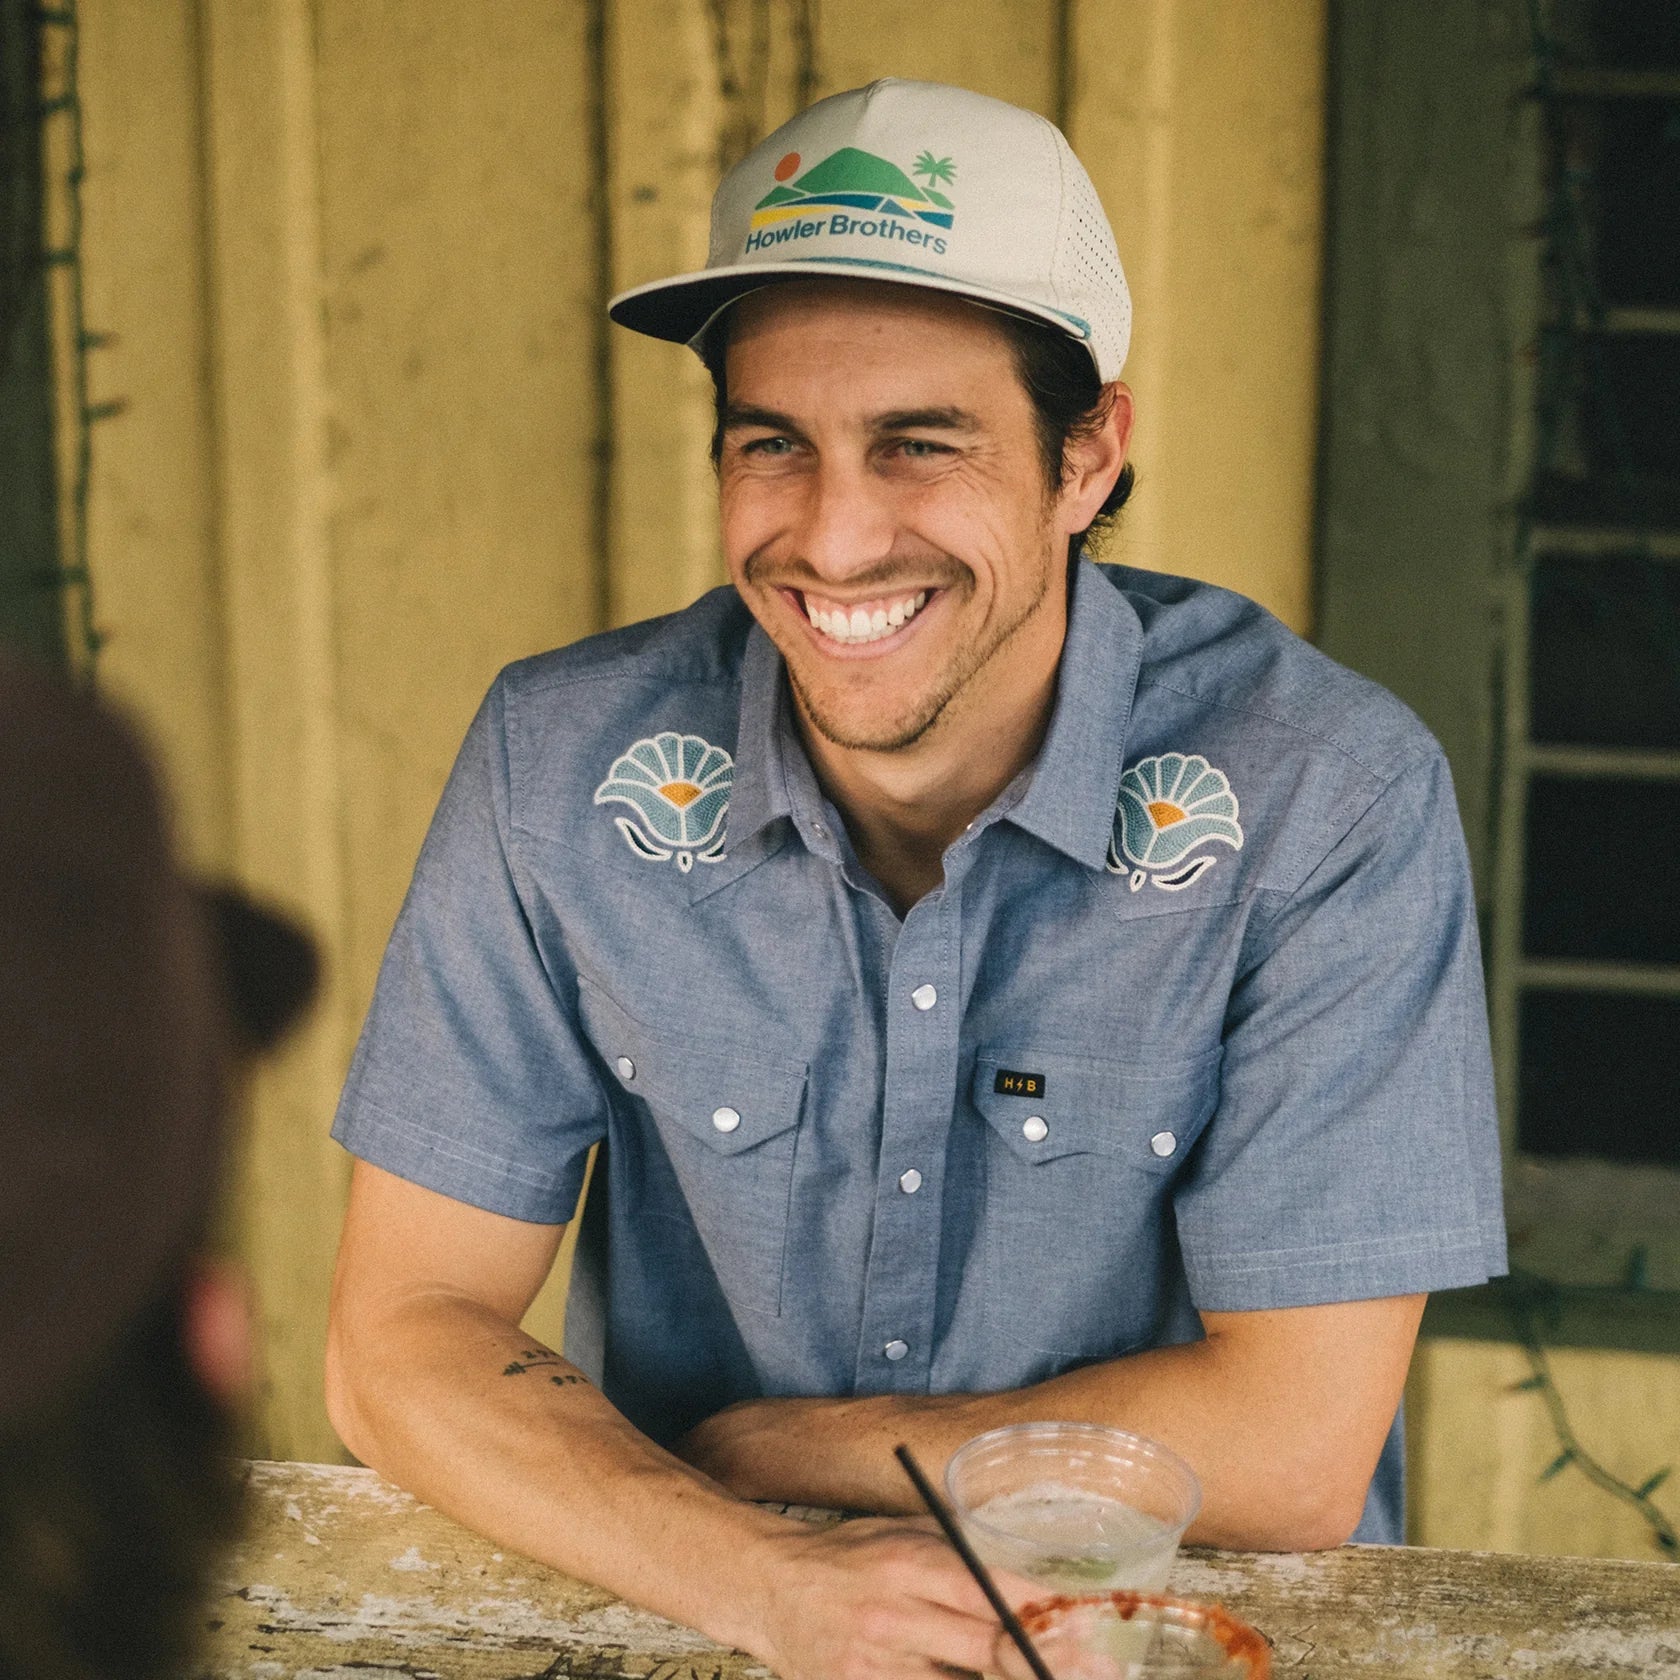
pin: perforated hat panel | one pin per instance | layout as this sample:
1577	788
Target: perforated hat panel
1085	275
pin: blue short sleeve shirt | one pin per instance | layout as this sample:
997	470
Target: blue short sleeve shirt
1195	1020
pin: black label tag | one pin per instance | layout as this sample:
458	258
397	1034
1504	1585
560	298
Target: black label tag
1009	1083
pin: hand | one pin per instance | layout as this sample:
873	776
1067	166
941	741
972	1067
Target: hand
875	1600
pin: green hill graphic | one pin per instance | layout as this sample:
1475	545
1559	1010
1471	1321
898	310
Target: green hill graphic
853	171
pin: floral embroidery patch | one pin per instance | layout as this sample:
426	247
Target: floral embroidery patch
678	786
1168	806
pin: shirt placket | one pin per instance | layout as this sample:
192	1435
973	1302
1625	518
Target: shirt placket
923	1027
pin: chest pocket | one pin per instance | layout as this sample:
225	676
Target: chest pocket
712	1131
1079	1246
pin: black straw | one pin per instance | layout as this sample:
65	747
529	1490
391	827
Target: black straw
942	1514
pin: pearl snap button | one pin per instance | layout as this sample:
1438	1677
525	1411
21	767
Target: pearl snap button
1163	1143
896	1349
725	1119
910	1182
1035	1129
626	1068
924	997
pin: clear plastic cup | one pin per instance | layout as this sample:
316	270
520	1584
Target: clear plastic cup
1077	1506
1138	1636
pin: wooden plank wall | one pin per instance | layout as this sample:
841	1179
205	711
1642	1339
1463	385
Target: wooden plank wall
380	441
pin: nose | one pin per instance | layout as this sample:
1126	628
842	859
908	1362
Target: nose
846	524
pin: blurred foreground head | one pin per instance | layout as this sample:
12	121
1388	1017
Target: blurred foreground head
111	1056
123	996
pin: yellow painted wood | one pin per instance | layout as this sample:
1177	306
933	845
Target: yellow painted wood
349	254
1009	49
457	278
152	514
1202	123
665	112
1478	1446
268	383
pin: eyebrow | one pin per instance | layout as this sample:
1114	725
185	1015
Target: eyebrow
894	420
745	414
927	420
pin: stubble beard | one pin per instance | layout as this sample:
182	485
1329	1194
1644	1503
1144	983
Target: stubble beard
927	713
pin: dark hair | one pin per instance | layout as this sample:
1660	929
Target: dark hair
1069	402
1070	405
114	1506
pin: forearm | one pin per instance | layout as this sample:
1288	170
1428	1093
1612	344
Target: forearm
1284	1438
483	1423
839	1452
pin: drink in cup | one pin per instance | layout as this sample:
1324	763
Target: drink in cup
1139	1636
1078	1506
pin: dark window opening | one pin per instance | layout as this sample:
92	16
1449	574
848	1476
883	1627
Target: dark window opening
1600	1077
1604	666
1597	999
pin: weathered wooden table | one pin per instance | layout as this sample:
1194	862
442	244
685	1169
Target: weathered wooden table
341	1577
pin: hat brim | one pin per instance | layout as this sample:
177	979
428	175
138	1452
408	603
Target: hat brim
680	309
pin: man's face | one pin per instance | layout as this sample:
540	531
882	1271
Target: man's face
885	510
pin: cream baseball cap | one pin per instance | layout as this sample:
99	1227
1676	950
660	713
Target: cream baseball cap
917	184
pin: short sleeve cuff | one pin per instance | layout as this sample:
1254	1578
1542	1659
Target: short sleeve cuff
455	1168
1358	1271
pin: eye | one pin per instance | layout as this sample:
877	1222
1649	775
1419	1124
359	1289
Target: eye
767	446
921	449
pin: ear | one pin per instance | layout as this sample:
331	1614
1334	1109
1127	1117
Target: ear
1092	463
216	1329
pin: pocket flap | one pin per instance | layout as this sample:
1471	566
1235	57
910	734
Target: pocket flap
1147	1113
729	1099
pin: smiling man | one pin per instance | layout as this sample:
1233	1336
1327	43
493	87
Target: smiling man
1003	988
908	557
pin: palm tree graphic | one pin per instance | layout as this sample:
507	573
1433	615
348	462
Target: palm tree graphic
936	169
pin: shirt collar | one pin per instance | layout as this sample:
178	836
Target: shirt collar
1076	781
1075	785
759	793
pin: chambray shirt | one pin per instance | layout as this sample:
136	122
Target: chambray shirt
1195	1020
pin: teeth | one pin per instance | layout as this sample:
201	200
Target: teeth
865	625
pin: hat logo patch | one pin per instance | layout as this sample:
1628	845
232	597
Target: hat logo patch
854	192
1169	806
678	786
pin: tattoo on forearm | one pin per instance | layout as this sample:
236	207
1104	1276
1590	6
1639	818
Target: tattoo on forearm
533	1359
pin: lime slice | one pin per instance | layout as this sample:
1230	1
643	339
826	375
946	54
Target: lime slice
1072	1568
